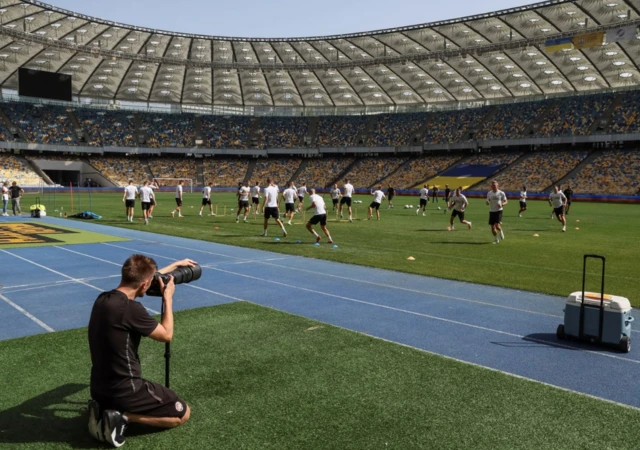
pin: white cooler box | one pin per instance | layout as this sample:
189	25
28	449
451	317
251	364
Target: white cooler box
616	319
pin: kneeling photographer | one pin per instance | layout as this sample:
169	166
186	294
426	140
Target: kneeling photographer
119	394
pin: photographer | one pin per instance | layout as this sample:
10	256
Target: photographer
119	393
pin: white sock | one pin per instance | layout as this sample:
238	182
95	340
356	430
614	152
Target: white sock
315	234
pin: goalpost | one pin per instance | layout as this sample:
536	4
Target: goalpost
188	182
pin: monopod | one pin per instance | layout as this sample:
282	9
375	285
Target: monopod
167	352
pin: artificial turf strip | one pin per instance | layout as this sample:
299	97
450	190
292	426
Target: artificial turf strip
257	378
550	263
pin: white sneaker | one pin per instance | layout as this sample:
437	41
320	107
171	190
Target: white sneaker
173	213
564	229
150	217
501	235
264	234
212	214
417	211
496	241
180	215
146	221
284	232
289	223
200	213
469	225
424	214
350	220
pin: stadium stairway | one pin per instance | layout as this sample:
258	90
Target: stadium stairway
521	158
309	138
197	120
97	175
81	136
420	133
476	128
343	173
254	134
365	134
601	124
301	167
141	135
200	172
11	127
147	168
537	122
31	165
251	167
400	166
590	157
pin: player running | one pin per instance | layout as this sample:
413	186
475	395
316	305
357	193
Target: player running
146	196
319	216
255	197
289	196
178	200
270	207
335	196
206	199
346	198
129	200
243	202
523	201
496	199
558	201
302	191
424	198
378	196
458	203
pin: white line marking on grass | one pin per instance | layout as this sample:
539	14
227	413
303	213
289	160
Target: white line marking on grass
28	314
428	316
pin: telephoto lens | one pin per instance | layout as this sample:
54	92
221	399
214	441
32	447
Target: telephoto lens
180	275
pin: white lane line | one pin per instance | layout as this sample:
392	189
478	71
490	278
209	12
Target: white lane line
428	316
185	248
55	283
76	280
159	256
28	314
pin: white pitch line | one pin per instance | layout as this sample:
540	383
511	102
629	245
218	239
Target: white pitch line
428	316
59	282
28	314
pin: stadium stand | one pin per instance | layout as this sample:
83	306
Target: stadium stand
281	170
625	117
225	172
418	170
321	172
367	171
281	132
107	128
538	171
169	130
452	126
41	124
574	116
393	130
173	168
340	131
474	170
226	132
614	172
14	169
122	169
510	121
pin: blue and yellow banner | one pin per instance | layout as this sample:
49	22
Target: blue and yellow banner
556	45
588	40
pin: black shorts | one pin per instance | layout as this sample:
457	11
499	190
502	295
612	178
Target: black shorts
206	201
271	212
390	196
152	399
335	201
558	211
243	204
346	200
146	206
495	217
255	200
423	202
178	202
460	214
568	201
130	203
300	199
153	201
289	207
523	205
374	205
319	218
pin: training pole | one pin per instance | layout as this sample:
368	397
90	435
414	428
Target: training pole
90	208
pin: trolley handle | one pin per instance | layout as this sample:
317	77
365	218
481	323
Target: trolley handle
584	280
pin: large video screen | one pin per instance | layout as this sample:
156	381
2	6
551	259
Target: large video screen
51	85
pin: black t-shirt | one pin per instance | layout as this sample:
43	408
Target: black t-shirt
116	326
568	193
447	191
391	191
15	191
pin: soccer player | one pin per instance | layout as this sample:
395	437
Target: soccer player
523	201
458	203
434	194
178	200
558	201
496	199
146	195
129	199
447	194
391	192
289	196
243	202
378	196
335	196
270	207
153	185
568	192
302	190
255	197
346	198
206	199
424	198
319	216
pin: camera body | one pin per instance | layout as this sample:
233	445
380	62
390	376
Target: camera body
180	275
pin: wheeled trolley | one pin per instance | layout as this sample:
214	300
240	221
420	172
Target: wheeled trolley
597	317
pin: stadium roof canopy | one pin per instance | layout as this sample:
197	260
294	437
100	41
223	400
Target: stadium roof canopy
484	57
